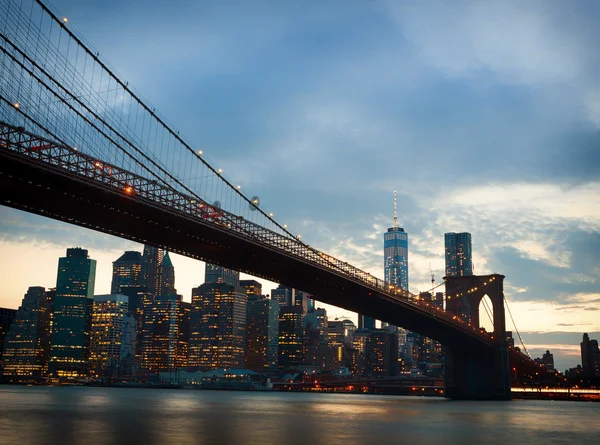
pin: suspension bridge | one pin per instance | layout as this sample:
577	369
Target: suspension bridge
80	145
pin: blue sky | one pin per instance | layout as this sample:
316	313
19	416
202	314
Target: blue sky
484	115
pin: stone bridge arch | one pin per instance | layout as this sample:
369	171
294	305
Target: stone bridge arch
463	295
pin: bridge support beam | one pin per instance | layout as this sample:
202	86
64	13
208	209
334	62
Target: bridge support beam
477	375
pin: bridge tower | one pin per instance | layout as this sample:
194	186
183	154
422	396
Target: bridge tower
482	373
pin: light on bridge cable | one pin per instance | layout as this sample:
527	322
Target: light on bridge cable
65	20
17	105
220	171
200	152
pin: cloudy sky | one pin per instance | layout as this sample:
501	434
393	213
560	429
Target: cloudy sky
484	115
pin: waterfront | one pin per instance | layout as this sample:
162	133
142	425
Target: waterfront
99	416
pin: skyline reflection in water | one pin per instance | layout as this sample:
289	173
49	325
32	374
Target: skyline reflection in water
103	416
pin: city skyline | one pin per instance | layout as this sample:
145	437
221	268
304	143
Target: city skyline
533	209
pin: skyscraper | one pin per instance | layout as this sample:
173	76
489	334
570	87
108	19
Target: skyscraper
164	331
6	318
151	259
590	356
126	271
262	333
218	274
218	321
252	287
395	251
459	259
381	353
291	336
27	344
72	310
316	339
283	295
106	339
166	277
365	322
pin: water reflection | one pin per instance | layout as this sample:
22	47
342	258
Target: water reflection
101	416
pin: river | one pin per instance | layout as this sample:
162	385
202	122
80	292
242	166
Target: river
103	416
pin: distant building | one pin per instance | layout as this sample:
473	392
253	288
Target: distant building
365	322
107	333
590	357
218	274
284	295
459	257
164	346
27	343
395	249
510	341
6	318
166	278
251	287
262	333
152	258
291	336
126	271
316	341
72	315
339	333
547	361
218	321
381	351
359	344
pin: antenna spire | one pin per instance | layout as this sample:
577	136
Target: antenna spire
395	213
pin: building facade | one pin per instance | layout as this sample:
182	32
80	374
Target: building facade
107	332
291	336
6	317
381	353
27	343
218	321
152	258
72	311
459	255
127	271
590	357
262	333
164	344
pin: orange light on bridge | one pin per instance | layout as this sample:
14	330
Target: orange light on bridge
98	164
128	190
16	105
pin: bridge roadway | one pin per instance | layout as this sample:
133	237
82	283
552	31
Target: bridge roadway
59	182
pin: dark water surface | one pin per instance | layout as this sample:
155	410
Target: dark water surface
103	416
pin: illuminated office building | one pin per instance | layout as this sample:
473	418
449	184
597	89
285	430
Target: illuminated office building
251	287
365	322
218	321
590	357
72	310
459	256
381	353
106	338
164	336
262	333
27	343
291	336
316	338
218	274
6	318
152	258
126	271
166	277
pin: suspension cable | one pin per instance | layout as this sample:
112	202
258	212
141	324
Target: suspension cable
514	324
